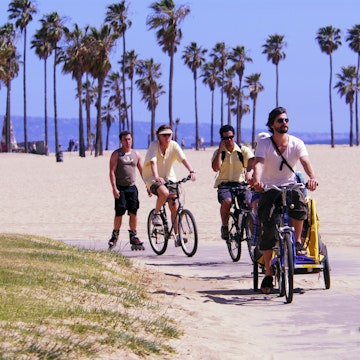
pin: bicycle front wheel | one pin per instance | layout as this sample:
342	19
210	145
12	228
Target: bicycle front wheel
157	235
188	233
287	272
247	233
234	241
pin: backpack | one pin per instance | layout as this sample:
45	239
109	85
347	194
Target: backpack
240	156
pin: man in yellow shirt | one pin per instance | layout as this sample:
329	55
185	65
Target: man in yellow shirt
231	161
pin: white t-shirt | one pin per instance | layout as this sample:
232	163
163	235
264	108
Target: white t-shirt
272	175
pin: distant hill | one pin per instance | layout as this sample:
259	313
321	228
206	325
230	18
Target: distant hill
68	129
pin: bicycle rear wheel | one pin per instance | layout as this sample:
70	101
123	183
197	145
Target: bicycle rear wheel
234	241
157	235
287	273
188	233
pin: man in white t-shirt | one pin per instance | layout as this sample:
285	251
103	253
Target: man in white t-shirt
270	169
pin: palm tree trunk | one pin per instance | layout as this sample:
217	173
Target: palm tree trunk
8	119
132	111
351	143
212	118
196	115
88	115
24	89
277	85
330	102
45	109
152	123
170	86
356	104
222	101
98	141
123	81
55	107
81	124
253	124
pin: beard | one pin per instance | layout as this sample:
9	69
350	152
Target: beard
283	130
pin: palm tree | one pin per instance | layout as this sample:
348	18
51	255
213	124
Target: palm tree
329	40
116	16
239	58
167	18
43	50
75	61
210	75
149	72
9	68
255	86
347	87
52	28
274	49
130	64
22	11
108	118
220	57
194	58
100	43
354	43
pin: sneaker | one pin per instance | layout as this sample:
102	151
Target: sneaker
224	232
300	249
177	240
156	220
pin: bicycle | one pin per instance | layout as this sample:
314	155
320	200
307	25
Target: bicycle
159	235
284	250
240	223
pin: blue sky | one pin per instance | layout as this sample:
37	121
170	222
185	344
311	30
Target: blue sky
303	75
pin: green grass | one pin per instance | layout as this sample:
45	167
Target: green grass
61	302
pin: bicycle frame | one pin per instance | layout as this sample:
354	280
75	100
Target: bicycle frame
180	207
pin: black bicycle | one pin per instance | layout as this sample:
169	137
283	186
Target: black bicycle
159	235
240	223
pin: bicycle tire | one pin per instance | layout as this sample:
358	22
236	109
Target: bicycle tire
326	271
234	241
247	231
288	268
157	236
255	276
188	233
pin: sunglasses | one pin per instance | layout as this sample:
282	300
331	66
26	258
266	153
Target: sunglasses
280	121
228	137
165	134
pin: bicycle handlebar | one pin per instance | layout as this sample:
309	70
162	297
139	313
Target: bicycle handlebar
285	187
183	180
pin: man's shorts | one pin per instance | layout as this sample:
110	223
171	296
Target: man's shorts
224	192
129	200
155	186
267	215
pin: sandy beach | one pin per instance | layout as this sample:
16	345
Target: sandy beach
210	296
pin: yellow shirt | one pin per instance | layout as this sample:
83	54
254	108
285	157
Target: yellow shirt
232	169
164	162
